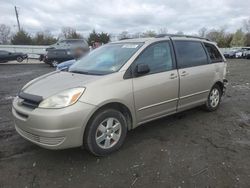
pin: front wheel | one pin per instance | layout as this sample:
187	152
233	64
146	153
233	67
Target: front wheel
106	132
19	59
54	63
214	99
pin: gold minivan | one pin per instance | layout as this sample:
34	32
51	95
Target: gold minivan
118	87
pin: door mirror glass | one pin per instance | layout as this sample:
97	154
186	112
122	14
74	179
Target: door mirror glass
142	69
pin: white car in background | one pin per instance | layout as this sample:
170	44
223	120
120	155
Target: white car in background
239	54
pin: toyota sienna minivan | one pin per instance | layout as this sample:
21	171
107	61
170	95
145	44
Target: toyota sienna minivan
118	87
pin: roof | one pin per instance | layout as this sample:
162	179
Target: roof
165	36
133	40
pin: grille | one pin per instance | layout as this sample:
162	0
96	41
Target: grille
52	141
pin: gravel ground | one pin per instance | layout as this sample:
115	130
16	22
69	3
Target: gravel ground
191	149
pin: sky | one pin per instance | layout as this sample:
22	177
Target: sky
115	16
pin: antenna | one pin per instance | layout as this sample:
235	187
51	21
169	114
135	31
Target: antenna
17	18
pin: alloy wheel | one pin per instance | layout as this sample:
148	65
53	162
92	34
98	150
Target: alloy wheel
214	97
108	133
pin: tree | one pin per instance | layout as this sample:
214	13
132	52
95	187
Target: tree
93	37
202	32
246	25
163	30
179	33
21	38
43	38
98	37
123	35
247	39
104	37
238	38
70	33
4	34
149	33
222	38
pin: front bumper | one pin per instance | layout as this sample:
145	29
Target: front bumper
52	128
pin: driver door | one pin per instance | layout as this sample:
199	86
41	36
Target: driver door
156	93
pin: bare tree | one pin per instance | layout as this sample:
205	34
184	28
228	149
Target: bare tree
202	32
163	30
70	33
179	33
123	35
4	34
246	25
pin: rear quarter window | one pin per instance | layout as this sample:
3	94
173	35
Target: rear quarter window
213	53
190	54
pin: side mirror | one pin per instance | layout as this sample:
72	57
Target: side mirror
141	69
9	53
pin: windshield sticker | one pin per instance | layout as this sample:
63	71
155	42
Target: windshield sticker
130	46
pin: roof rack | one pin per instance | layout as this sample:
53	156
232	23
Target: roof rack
175	35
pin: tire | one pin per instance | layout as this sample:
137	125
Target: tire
54	63
214	99
106	132
19	59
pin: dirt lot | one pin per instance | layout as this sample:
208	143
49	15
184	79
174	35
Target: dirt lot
191	149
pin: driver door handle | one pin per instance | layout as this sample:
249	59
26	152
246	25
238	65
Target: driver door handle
173	76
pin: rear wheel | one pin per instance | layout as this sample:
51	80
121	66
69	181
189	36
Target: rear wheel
19	59
106	132
214	98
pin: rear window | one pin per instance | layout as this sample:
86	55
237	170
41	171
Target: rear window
213	53
190	53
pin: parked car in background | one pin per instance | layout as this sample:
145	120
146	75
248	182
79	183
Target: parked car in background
6	56
237	53
248	54
229	54
118	87
70	44
78	53
56	56
64	66
246	51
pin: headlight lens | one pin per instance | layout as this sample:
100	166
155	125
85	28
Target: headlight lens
63	99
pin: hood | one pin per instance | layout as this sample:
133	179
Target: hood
56	82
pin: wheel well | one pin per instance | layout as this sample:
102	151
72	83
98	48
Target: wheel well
117	106
220	84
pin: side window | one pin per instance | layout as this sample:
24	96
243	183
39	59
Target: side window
157	57
190	53
3	53
213	53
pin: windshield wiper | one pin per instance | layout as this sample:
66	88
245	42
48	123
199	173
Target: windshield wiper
79	72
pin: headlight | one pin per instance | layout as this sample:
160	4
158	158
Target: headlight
63	99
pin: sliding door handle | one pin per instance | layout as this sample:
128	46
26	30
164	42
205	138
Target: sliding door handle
184	73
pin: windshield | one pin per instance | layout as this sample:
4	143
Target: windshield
106	59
